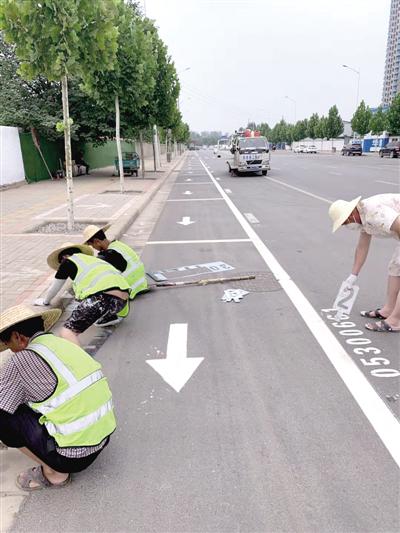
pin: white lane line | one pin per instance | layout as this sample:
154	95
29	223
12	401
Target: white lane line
43	215
379	415
200	241
193	199
335	173
251	218
388	182
193	183
300	190
228	191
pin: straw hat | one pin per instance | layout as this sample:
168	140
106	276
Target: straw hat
91	230
340	211
52	259
19	313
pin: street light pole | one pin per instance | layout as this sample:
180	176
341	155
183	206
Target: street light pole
294	101
358	86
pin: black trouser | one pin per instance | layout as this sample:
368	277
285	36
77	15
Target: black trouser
22	430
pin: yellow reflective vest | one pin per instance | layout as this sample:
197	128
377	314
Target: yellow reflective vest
134	273
80	410
95	275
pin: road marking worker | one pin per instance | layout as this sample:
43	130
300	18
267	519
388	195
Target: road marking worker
377	216
120	255
100	289
55	403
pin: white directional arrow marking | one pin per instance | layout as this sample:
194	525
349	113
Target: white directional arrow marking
186	221
177	368
188	192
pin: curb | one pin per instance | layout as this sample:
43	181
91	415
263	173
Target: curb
63	299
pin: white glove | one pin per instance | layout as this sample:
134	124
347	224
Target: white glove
350	281
40	301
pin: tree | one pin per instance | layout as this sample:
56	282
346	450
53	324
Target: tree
130	86
378	122
393	116
321	127
300	130
334	123
312	126
58	40
361	118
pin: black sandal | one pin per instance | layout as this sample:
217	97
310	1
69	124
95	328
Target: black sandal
373	314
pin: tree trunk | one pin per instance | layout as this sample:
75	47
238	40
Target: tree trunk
119	151
142	153
155	147
68	156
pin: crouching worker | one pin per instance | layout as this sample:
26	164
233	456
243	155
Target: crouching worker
100	289
55	403
120	255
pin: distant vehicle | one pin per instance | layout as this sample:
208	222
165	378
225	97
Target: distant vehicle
249	154
391	150
353	148
311	149
300	149
222	147
192	147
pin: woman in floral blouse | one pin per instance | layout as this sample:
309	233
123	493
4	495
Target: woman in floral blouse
377	216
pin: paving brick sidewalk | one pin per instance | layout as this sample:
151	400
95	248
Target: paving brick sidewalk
23	269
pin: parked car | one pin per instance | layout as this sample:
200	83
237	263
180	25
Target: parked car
391	149
311	149
353	148
300	149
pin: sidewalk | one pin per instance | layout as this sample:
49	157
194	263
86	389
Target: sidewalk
97	200
24	273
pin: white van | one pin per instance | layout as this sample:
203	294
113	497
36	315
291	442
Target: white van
249	154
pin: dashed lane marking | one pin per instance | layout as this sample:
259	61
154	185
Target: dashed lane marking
193	199
388	182
251	218
300	190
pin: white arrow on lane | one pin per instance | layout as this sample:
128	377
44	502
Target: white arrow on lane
188	192
177	368
186	221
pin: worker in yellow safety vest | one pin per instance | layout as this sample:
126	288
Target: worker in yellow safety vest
100	289
55	402
119	255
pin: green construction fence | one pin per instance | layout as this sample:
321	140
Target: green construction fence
105	154
35	169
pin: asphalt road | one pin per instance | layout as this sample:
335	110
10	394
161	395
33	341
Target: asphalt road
281	427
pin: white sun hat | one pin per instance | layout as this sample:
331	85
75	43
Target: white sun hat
91	230
20	313
52	259
340	211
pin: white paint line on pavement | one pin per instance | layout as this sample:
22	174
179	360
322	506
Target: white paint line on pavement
43	215
388	182
300	190
379	415
193	183
200	241
251	218
228	191
193	199
335	173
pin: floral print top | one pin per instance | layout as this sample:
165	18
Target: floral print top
378	214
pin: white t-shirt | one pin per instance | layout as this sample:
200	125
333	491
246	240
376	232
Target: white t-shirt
378	214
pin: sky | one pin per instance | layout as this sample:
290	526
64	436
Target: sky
245	56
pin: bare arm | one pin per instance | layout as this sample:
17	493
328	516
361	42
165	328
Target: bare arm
361	252
396	226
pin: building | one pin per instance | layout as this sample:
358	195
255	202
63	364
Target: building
391	81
